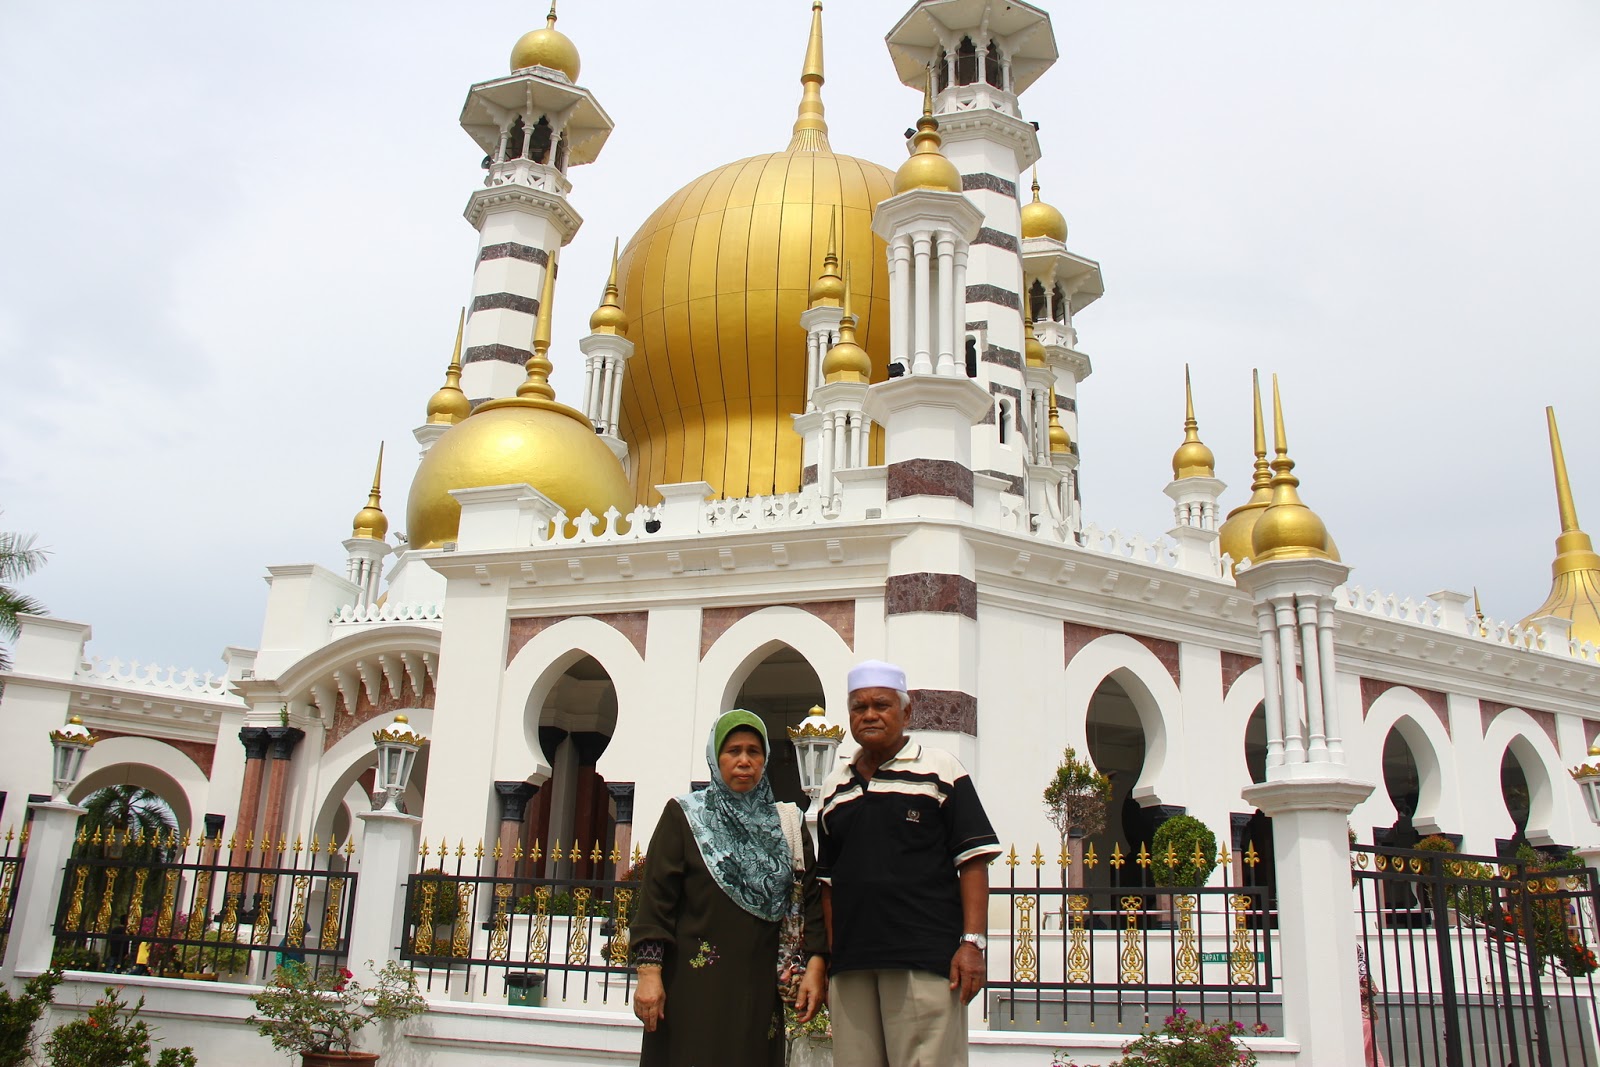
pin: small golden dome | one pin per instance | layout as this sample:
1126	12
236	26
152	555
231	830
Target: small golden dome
609	316
1575	573
1192	459
928	168
1040	219
847	361
1059	440
1033	348
370	522
828	289
548	47
450	405
1287	529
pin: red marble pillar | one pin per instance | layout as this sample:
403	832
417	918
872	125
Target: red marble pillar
284	739
514	797
255	741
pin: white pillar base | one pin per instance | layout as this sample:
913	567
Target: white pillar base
33	935
388	851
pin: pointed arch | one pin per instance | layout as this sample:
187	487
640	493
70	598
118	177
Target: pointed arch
1155	698
1439	797
152	764
1549	818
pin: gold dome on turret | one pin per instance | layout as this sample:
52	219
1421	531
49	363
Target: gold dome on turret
1040	219
370	522
928	167
450	405
714	285
1032	348
1060	441
1287	529
609	316
847	361
1234	538
828	289
528	438
1575	573
548	47
1192	459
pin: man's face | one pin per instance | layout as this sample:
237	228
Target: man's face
877	722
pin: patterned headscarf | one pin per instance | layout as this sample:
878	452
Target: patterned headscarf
739	834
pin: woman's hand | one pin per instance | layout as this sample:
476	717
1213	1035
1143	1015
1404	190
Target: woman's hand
650	998
813	992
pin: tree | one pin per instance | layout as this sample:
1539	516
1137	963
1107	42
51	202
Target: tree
134	825
18	559
1077	797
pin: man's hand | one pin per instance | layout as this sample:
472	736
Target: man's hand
968	971
650	998
813	991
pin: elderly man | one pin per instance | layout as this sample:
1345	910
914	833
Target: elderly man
904	865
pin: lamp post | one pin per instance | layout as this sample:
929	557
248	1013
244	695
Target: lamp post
816	743
69	744
1588	778
397	746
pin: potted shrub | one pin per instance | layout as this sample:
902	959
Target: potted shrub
1075	802
316	1014
1172	855
216	956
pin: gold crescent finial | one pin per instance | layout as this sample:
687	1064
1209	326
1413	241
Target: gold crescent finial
811	125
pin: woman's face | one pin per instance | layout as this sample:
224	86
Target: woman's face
741	760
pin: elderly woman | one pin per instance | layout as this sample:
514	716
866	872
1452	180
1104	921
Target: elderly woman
719	881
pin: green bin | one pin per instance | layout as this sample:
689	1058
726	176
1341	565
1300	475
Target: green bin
524	989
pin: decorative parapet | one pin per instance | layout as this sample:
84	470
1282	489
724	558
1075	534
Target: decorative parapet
153	678
386	612
1157	551
1430	614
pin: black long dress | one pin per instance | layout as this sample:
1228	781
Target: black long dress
720	965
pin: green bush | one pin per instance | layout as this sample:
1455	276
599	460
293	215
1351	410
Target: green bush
1436	843
1077	797
70	957
1180	834
446	898
216	955
112	1035
19	1015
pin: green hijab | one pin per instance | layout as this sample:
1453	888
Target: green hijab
739	834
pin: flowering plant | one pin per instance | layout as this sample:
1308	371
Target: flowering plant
308	1011
1185	1041
111	1035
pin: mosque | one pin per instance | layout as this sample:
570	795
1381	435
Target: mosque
829	413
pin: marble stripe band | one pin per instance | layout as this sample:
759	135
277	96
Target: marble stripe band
506	301
928	477
991	182
927	591
993	294
501	353
996	238
945	709
512	250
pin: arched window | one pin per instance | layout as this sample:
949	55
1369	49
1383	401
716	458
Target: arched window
941	70
993	73
1037	309
1058	305
972	357
561	155
1003	421
539	145
514	140
966	62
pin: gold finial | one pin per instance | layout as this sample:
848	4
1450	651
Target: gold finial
1287	528
1192	459
1574	549
1033	348
1036	183
927	168
1040	219
847	361
828	289
1575	572
1060	442
1241	522
450	405
538	366
550	19
609	317
370	522
810	125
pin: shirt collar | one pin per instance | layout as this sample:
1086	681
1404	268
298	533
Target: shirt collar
908	751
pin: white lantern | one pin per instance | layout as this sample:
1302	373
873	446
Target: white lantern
1588	779
397	755
70	744
816	743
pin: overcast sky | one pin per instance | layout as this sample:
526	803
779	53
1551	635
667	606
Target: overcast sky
232	251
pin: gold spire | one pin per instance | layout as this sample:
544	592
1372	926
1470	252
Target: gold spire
1059	440
1042	220
810	126
370	522
450	405
609	316
1032	348
1192	459
828	289
847	361
927	168
537	384
1241	522
548	47
1287	528
1575	573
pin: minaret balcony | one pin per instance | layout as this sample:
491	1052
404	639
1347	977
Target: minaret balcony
979	96
529	174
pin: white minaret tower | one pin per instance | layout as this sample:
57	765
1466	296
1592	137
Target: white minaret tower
1059	285
1195	490
842	429
368	543
822	316
983	55
532	126
606	353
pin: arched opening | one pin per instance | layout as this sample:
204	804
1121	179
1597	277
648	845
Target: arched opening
1117	747
1003	421
131	778
1403	782
1252	843
1518	798
1038	302
972	357
1058	304
966	62
993	69
539	142
782	690
941	70
574	808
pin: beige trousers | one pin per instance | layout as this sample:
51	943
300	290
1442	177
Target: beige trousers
897	1019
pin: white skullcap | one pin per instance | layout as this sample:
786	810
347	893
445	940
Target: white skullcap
876	674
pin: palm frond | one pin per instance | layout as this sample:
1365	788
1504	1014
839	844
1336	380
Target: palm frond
18	556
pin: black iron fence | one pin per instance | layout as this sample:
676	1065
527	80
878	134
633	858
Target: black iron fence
483	922
168	906
1114	958
12	848
1478	960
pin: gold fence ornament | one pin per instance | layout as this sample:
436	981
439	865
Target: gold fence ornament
1024	960
578	931
135	902
1078	939
461	849
615	855
75	908
1188	963
461	943
500	926
617	954
1172	856
422	943
297	845
498	853
596	854
230	908
1064	860
8	877
102	918
576	854
1199	857
1011	857
516	852
444	848
349	847
477	853
539	950
200	906
83	836
537	853
1143	859
186	844
637	855
1090	860
1116	859
423	851
331	910
1038	856
316	846
169	903
263	924
1132	958
300	892
1242	960
1251	858
95	840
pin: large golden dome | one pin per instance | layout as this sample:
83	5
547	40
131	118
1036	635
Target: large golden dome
714	284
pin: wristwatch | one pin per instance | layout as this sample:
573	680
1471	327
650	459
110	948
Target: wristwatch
977	940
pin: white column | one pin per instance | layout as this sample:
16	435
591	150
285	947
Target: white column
591	395
947	285
388	851
1330	703
608	413
619	367
812	361
33	937
1317	751
1294	745
922	244
900	302
1269	684
841	450
825	456
958	308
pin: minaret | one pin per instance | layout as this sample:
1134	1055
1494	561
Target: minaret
981	60
533	125
449	405
1058	285
368	543
1236	532
1574	598
821	317
1309	790
843	430
1040	384
607	350
1047	504
1194	490
1064	458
